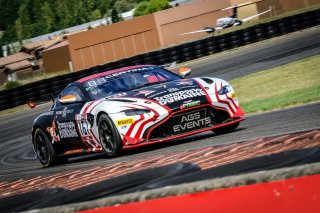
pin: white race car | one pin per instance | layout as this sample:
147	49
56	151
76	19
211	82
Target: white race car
131	107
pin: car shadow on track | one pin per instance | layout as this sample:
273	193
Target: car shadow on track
140	151
186	140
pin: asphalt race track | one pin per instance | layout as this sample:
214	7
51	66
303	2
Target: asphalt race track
17	159
261	56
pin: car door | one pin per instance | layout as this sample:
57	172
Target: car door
65	117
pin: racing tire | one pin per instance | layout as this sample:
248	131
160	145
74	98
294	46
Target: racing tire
226	129
109	137
43	148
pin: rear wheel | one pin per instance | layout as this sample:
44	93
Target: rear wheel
44	149
226	129
109	137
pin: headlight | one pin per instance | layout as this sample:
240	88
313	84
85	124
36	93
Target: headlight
132	112
224	90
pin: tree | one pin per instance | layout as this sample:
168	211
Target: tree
125	5
25	21
141	9
1	44
115	17
157	5
9	35
63	15
48	17
147	7
19	29
95	15
104	6
37	17
9	12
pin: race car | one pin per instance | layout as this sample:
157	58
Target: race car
132	107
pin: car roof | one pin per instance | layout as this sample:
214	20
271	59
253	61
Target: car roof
111	72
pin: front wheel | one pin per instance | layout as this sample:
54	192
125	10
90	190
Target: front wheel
110	139
226	129
43	148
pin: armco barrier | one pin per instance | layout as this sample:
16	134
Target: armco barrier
180	53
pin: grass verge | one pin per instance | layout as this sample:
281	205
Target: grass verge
37	76
291	84
14	109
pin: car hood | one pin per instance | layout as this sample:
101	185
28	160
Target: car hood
174	94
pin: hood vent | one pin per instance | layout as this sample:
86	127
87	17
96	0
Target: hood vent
208	80
122	100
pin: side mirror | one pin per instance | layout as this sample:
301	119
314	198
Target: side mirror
31	104
184	72
68	99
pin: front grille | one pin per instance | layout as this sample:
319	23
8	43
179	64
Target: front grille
189	121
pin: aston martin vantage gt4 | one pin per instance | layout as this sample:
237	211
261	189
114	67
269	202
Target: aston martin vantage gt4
131	107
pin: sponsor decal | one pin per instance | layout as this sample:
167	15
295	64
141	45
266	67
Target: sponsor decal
158	93
172	89
79	117
74	151
84	127
124	127
188	87
67	129
190	104
53	132
102	80
121	94
233	95
124	121
185	83
48	113
160	86
96	82
129	71
191	121
147	102
64	112
144	92
180	95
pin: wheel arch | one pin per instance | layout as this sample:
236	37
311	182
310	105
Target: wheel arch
42	123
99	115
34	128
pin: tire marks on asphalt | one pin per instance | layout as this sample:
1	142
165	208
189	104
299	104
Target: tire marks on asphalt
204	157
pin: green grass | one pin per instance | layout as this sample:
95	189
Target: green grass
284	100
37	76
14	109
280	87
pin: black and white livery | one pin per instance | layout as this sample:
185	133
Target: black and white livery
131	107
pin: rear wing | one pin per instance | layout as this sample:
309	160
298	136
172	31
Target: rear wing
44	99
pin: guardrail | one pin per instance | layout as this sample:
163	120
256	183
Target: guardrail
180	53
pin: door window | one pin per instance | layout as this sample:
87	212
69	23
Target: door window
73	90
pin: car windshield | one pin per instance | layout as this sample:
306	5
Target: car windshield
114	83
